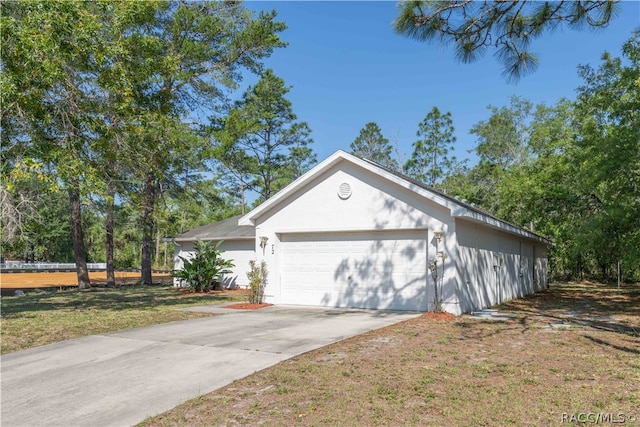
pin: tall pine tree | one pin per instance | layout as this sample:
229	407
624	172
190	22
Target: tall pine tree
371	145
261	141
430	161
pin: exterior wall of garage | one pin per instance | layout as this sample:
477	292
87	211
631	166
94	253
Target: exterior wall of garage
375	205
492	266
239	251
481	260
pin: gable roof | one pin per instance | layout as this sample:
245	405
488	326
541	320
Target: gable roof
227	229
458	208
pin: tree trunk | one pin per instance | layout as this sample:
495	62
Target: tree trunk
156	258
166	251
147	228
267	164
109	224
78	237
433	170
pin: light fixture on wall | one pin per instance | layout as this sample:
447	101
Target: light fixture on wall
438	234
263	243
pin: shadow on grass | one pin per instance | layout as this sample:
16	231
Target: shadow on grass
608	344
123	298
482	329
584	298
589	305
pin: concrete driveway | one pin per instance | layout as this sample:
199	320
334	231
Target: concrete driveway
121	378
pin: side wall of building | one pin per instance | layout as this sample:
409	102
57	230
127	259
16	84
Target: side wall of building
493	266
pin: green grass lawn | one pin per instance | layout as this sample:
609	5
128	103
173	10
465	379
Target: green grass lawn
44	317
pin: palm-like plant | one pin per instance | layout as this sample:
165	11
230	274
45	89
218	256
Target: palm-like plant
205	268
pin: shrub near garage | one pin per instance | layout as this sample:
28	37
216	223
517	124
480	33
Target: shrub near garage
257	276
205	268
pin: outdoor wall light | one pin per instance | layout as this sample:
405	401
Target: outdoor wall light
263	241
438	234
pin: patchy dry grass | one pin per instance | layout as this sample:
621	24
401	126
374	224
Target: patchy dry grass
45	317
571	350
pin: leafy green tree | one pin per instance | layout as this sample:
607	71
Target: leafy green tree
503	138
571	171
540	188
525	174
179	57
371	145
502	145
50	52
127	236
608	152
508	27
87	87
260	141
115	152
430	160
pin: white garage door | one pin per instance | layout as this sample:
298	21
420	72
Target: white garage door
378	270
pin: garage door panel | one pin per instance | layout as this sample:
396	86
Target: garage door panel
367	270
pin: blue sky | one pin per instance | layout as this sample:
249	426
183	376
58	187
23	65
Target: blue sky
348	67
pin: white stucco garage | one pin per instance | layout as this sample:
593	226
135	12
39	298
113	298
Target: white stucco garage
350	233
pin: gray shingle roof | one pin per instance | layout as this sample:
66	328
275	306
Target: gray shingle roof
227	229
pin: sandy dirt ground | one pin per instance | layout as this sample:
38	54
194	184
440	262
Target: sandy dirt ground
43	280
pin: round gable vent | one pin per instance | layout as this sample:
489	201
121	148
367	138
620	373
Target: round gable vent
344	191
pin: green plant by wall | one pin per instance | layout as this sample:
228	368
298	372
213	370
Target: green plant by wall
205	268
257	276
